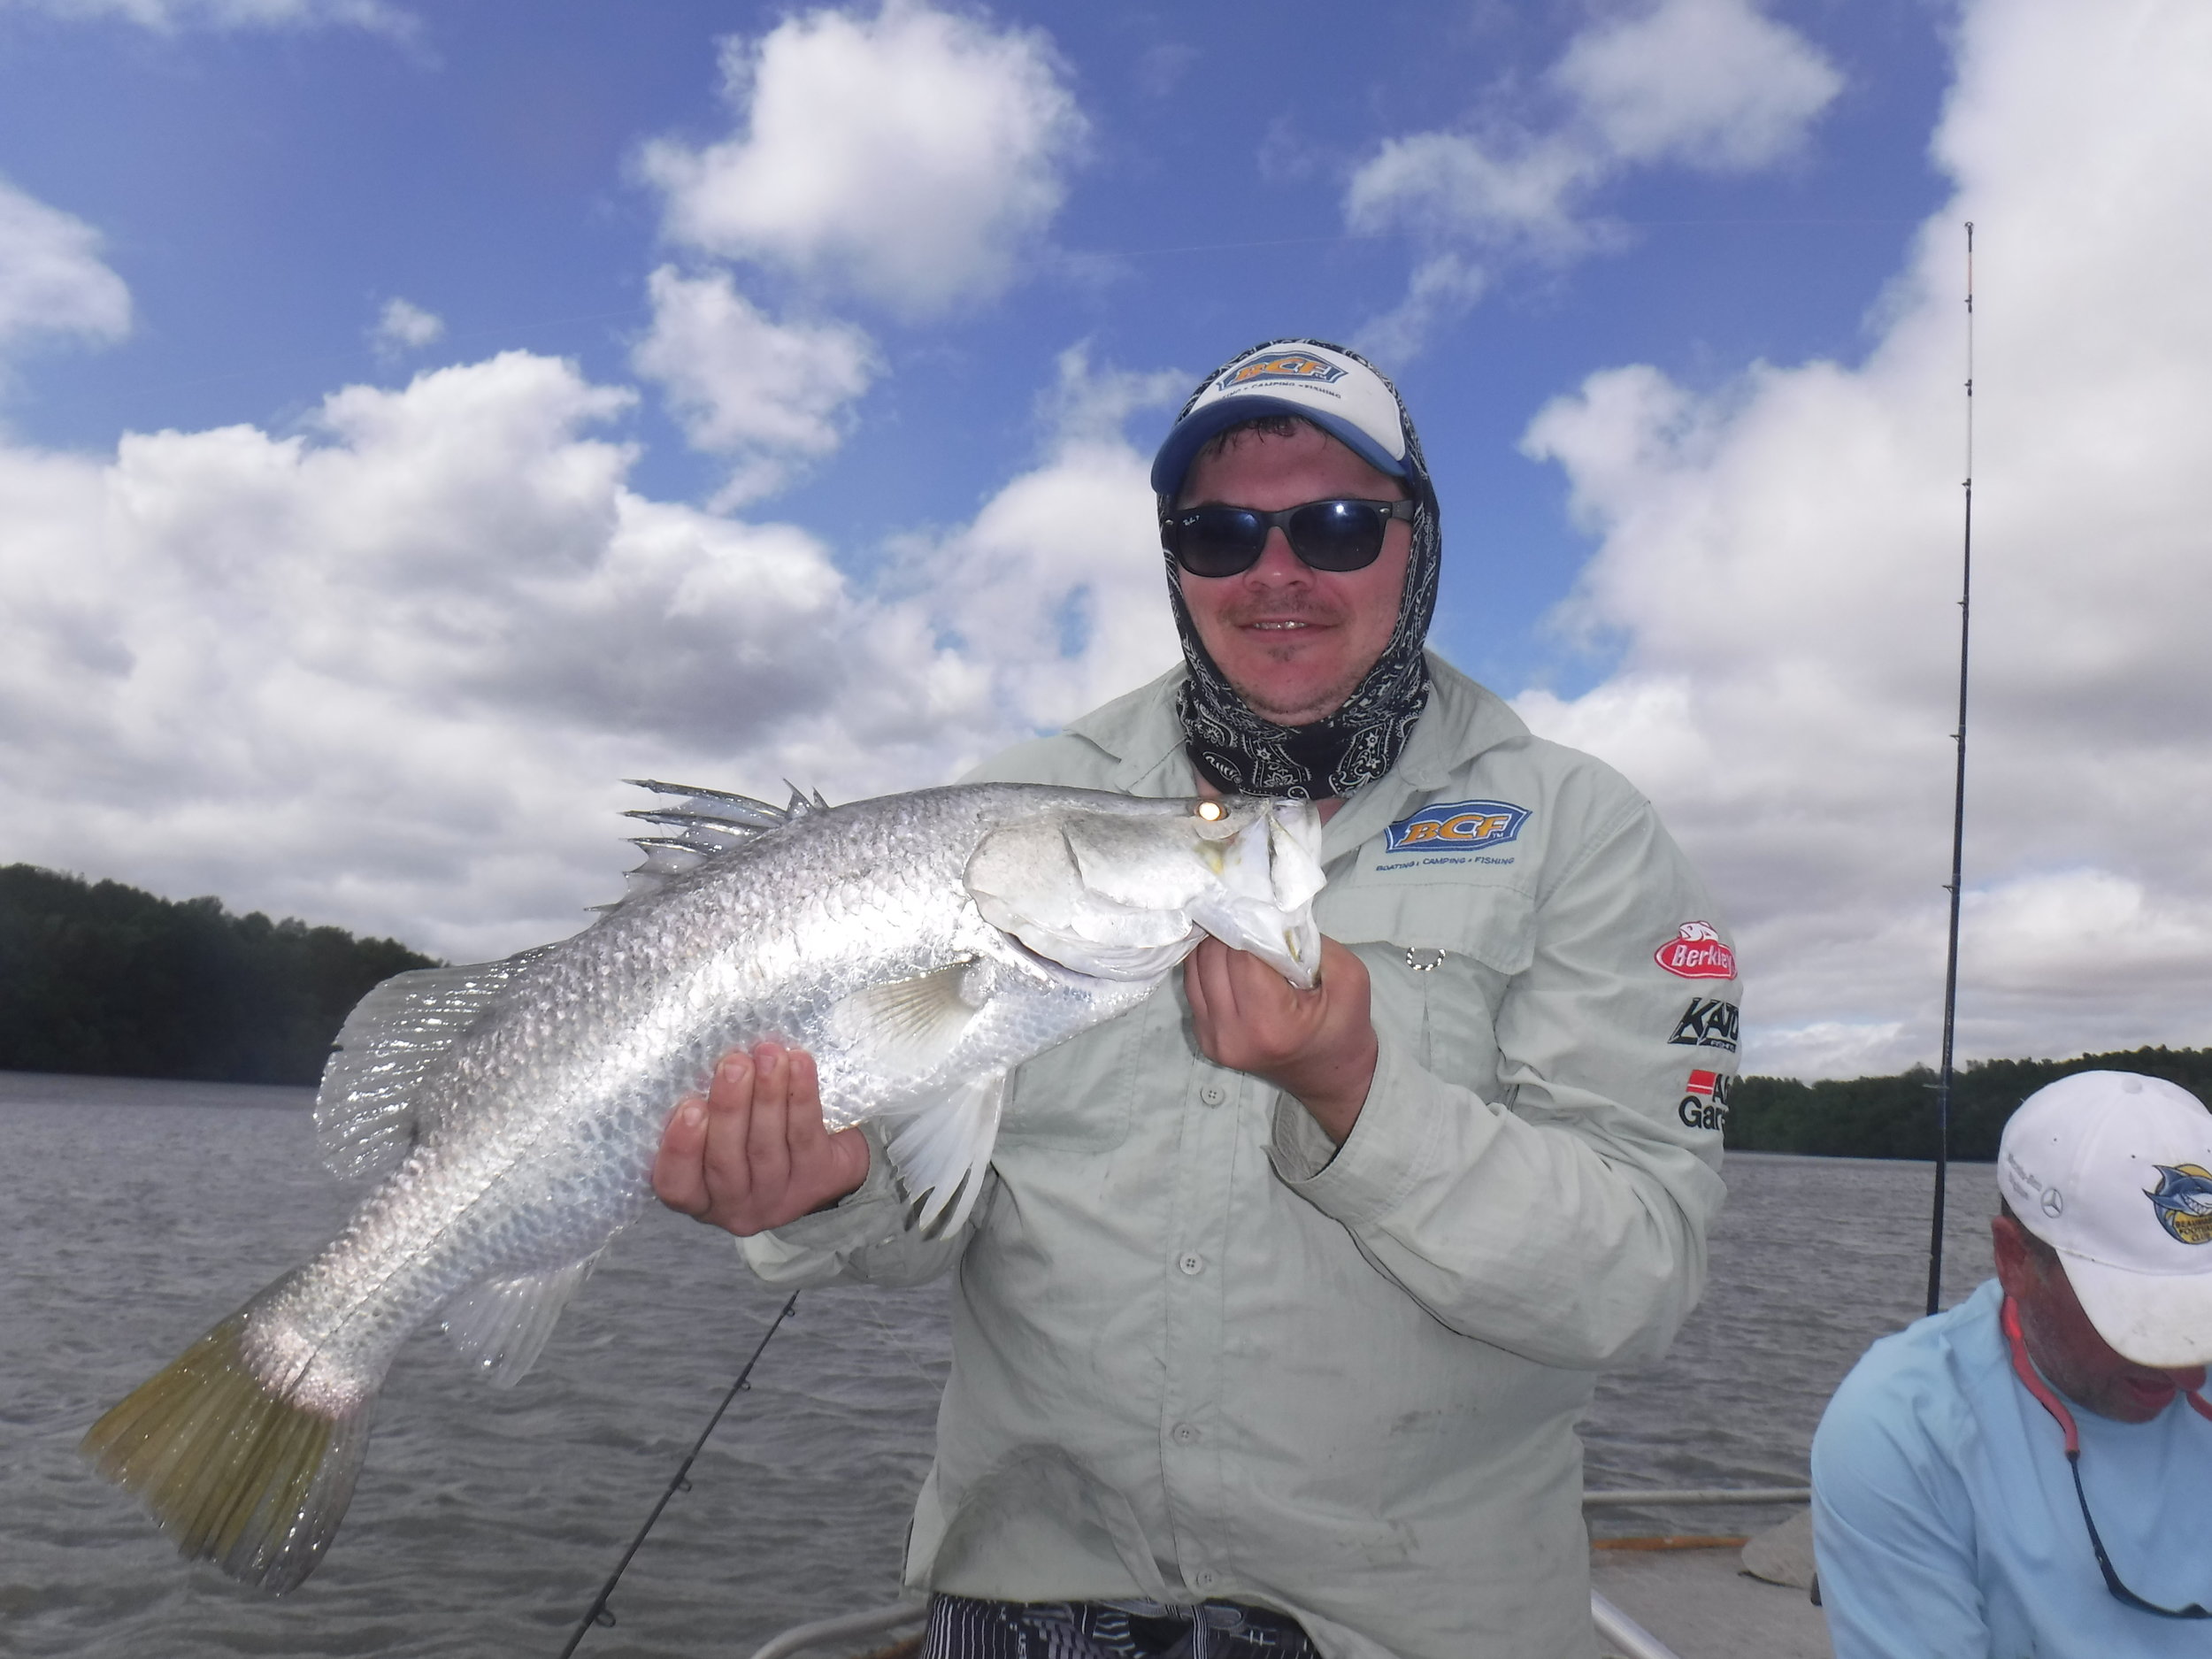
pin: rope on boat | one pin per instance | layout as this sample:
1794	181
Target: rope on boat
598	1612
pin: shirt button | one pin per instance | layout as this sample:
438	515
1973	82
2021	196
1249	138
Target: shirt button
1212	1095
1185	1434
1192	1265
1207	1579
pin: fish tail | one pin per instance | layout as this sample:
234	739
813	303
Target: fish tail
236	1473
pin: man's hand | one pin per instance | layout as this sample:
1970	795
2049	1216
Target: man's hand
1317	1046
755	1154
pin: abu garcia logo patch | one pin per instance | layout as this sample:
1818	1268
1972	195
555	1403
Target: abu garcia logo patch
1704	1104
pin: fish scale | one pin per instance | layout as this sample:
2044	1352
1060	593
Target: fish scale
919	946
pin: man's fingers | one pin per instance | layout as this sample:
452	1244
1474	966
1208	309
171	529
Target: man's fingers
1212	1000
804	1133
730	1113
678	1170
767	1143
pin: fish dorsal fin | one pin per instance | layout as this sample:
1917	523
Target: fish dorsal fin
372	1107
706	822
908	1025
940	1150
501	1324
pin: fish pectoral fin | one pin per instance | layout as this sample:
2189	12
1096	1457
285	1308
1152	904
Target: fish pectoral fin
908	1025
368	1116
501	1323
939	1148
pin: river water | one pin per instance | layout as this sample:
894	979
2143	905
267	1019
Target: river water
135	1214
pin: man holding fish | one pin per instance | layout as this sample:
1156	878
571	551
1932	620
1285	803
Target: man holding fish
1276	1307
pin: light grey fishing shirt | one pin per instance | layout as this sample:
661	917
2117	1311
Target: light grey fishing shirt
1200	1353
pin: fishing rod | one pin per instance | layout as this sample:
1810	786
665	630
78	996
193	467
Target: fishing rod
1958	819
598	1612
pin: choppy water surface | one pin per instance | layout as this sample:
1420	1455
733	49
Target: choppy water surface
135	1214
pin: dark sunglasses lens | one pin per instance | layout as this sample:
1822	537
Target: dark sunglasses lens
1217	540
1337	536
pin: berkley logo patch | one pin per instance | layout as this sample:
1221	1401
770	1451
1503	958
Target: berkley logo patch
2183	1199
1290	366
1458	825
1696	952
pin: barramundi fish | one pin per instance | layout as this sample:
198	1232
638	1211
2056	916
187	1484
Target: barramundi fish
919	945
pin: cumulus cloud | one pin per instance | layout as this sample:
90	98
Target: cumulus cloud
387	670
1055	593
1713	85
766	393
168	17
403	326
912	157
1709	84
52	280
1780	565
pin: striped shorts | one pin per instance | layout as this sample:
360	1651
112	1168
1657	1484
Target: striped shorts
961	1627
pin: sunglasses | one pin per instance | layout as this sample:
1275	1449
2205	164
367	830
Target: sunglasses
1338	534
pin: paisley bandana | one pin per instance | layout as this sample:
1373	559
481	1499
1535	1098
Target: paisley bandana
1242	754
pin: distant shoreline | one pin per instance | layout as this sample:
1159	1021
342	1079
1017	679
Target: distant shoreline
1895	1117
70	1087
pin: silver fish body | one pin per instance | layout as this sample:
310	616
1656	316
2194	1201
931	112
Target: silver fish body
919	946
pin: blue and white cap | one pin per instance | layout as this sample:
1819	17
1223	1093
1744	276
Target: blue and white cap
1333	389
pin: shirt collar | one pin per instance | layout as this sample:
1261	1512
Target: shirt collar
1141	733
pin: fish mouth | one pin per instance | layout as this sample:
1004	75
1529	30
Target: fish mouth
1265	903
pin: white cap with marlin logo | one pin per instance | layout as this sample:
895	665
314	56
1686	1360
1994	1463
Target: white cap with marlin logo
2114	1171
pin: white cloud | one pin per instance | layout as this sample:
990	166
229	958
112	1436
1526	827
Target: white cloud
1780	563
52	277
403	326
167	17
765	393
1445	288
1448	187
387	672
1709	84
912	157
1057	591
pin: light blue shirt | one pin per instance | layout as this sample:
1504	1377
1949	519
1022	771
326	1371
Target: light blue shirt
1944	1520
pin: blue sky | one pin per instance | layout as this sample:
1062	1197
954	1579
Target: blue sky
265	191
414	419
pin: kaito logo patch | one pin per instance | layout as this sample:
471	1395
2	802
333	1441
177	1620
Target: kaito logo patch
1458	825
1288	365
1708	1023
2183	1199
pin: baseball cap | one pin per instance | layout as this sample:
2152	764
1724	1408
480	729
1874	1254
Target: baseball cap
1315	381
2114	1171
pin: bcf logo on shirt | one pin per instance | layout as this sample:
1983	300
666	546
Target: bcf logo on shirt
1458	825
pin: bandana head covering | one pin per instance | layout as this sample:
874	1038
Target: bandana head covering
1352	401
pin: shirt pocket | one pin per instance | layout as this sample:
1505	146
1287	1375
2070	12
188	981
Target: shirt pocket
1078	1096
1440	956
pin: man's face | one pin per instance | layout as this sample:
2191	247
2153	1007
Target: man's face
1295	643
2066	1348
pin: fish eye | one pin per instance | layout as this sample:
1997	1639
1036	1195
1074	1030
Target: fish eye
1212	811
